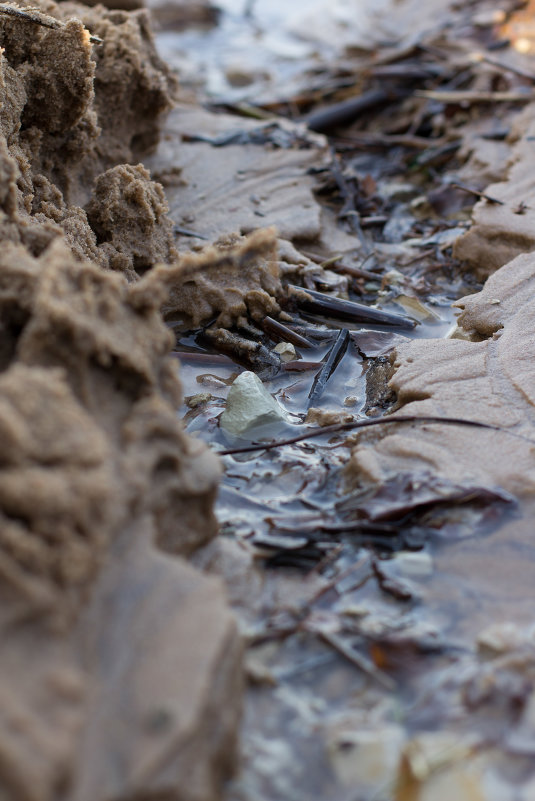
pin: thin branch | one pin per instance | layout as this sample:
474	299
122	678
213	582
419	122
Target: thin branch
358	660
477	193
470	96
318	431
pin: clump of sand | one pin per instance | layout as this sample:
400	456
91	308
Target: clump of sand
120	663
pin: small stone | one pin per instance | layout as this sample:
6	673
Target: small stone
393	278
238	76
286	351
499	638
367	758
495	302
197	400
417	564
249	405
351	400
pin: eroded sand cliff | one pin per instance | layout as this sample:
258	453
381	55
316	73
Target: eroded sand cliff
115	654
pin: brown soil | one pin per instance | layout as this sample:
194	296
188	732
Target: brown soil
97	478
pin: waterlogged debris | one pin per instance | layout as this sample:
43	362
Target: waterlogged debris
356	658
280	134
250	353
324	417
314	431
38	18
330	364
398	588
346	111
249	405
278	543
317	303
279	331
405	497
193	401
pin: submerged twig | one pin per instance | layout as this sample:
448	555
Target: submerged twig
477	193
349	191
502	65
300	366
330	364
381	140
358	272
347	110
358	660
283	333
317	302
39	19
201	357
177	229
317	432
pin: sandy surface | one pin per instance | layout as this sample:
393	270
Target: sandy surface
116	656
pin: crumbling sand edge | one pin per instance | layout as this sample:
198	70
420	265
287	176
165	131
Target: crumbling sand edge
107	635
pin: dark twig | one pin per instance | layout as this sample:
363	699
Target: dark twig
283	333
381	140
336	427
347	110
300	366
330	364
495	62
477	193
201	357
317	302
349	191
358	272
358	660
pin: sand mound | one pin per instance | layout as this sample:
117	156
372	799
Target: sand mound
120	663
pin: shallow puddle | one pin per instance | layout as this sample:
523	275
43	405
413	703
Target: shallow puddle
390	658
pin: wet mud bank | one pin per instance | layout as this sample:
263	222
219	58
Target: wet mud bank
214	584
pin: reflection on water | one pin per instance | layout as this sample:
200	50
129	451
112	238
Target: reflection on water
254	48
373	674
